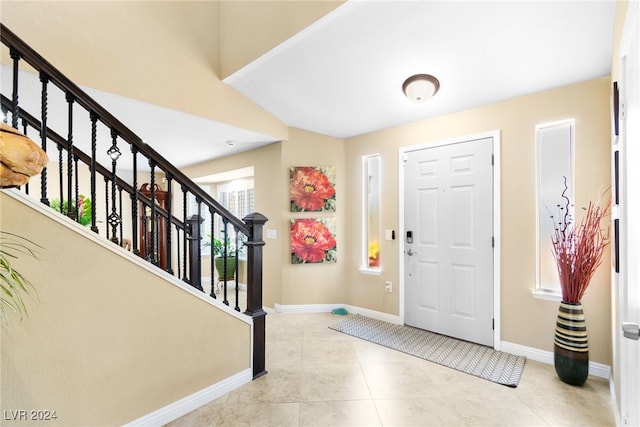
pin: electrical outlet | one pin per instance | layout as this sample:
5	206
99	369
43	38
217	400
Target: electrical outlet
388	286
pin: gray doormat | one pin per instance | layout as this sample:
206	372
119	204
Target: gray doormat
481	361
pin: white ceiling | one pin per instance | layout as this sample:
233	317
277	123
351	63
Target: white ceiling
342	76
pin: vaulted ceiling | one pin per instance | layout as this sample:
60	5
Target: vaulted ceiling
333	68
342	76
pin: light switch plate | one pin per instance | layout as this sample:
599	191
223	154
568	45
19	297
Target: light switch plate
272	233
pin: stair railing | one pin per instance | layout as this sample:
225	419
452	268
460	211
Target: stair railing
173	230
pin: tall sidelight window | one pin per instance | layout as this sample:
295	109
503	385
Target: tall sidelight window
554	167
371	179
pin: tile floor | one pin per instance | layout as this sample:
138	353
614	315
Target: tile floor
320	377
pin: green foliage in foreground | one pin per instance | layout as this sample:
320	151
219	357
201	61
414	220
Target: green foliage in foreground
13	285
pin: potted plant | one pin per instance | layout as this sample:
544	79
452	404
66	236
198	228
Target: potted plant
578	250
218	249
81	210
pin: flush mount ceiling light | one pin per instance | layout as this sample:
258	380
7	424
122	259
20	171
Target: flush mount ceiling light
420	87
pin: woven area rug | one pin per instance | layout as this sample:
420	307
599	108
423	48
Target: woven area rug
481	361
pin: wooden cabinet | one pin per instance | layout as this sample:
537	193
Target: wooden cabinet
153	239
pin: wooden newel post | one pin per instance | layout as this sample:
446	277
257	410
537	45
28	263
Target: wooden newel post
194	237
254	244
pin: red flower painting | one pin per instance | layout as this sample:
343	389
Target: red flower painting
312	189
312	241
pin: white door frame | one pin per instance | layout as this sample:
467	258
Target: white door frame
627	283
495	134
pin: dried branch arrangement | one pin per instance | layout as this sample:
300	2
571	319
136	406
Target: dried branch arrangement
579	250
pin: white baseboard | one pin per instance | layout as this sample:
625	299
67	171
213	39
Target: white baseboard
614	400
595	369
183	406
325	308
378	315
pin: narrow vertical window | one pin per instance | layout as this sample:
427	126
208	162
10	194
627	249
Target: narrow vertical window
554	168
371	212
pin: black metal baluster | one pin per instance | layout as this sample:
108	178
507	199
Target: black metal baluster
153	216
224	261
14	98
145	233
60	179
120	214
134	202
237	307
184	235
43	136
92	169
24	131
113	218
178	247
70	209
213	258
169	207
76	188
106	204
199	241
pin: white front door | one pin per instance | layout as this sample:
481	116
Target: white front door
629	212
448	239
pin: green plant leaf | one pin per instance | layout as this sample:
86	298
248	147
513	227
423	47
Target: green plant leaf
13	285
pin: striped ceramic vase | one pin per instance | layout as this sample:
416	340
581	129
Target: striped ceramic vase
571	349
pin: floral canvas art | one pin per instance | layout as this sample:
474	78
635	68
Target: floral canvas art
313	240
312	189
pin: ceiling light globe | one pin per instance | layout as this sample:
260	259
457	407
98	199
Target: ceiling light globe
420	87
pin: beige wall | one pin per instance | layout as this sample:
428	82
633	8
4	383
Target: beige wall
268	190
285	283
516	119
177	69
525	320
245	34
314	283
105	346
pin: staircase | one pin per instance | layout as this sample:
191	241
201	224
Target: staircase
137	199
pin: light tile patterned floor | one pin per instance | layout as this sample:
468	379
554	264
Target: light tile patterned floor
320	377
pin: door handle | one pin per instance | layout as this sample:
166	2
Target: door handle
411	253
631	330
